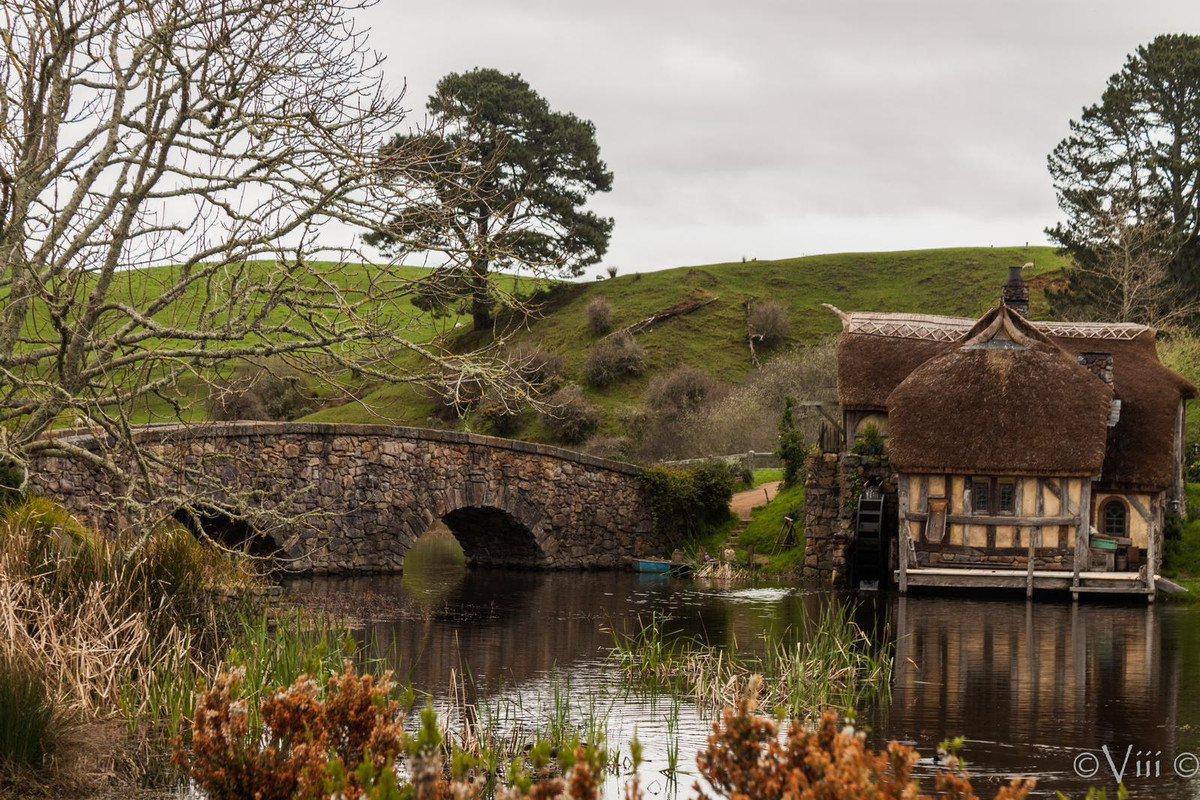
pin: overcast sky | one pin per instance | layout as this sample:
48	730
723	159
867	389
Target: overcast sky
775	129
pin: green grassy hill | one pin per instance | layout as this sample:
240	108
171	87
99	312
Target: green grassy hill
963	281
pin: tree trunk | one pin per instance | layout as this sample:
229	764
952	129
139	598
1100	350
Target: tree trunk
481	296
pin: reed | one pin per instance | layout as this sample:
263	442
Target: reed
829	663
30	725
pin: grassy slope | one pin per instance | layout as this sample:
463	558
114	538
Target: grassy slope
962	281
136	286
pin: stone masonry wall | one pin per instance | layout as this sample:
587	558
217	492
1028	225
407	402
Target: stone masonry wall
831	491
353	498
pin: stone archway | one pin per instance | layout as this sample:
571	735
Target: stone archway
494	537
235	533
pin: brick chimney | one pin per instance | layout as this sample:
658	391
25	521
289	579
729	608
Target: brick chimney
1015	292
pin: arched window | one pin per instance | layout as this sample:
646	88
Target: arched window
1116	518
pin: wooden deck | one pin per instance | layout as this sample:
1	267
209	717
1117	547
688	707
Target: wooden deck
1127	583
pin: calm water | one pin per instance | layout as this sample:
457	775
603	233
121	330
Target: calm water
1034	688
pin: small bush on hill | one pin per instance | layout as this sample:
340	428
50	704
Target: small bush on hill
259	393
746	416
618	448
538	367
497	419
683	390
769	322
570	418
599	316
617	357
454	393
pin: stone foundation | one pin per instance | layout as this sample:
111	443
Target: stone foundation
831	491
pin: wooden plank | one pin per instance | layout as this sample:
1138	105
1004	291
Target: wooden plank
923	500
1021	522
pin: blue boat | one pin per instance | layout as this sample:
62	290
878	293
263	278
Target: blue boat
651	565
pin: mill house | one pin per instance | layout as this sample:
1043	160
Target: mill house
1026	454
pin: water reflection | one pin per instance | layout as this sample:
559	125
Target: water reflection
1030	685
1033	685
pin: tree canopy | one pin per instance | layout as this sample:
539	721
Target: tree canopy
1135	155
531	170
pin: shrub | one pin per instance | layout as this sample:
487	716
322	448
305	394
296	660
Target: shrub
769	322
497	418
745	416
454	393
611	269
615	358
538	367
259	393
746	757
570	418
599	316
869	443
619	448
686	501
791	449
344	743
30	724
12	479
684	389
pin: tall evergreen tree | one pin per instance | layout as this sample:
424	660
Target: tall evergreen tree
530	171
1136	153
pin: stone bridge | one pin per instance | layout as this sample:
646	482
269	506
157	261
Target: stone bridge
336	498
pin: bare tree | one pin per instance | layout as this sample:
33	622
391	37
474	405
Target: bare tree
1131	268
169	170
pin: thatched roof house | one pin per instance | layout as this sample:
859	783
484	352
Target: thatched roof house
1008	434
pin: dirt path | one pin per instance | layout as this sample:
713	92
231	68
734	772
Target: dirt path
742	502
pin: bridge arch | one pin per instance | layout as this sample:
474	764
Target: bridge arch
340	498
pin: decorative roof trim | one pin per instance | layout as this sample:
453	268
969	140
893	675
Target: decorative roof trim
932	327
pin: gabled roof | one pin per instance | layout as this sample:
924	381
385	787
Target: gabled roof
1004	400
877	352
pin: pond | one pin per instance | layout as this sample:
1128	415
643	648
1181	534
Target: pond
1034	688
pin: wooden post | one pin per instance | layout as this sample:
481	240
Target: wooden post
1035	532
904	530
1083	529
1029	571
1152	548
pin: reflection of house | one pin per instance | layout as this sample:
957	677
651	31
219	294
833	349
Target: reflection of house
1029	454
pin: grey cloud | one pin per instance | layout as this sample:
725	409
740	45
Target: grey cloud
775	128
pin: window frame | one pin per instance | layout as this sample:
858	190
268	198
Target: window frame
1011	511
976	508
991	488
1118	502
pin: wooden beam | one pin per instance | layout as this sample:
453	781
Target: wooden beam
981	519
1141	509
901	544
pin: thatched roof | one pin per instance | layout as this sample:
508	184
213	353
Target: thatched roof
1140	452
1006	401
878	352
